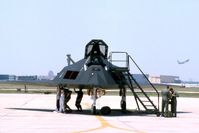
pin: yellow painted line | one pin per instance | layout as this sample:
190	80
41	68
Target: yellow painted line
105	124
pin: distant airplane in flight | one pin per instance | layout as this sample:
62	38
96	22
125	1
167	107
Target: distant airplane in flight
183	62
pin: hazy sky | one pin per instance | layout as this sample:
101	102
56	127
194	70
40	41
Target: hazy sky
36	35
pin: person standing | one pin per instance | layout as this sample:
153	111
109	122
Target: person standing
79	99
165	101
174	96
67	97
58	98
61	100
64	98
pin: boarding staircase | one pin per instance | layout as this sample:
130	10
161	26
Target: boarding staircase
126	80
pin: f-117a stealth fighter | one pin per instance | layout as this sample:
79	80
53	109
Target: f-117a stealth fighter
96	73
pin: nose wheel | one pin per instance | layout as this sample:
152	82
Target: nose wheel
94	110
94	97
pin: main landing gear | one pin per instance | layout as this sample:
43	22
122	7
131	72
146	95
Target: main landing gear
123	100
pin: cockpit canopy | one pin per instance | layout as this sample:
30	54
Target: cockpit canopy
96	48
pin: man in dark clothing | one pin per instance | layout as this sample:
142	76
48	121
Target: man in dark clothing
165	101
67	97
79	99
174	94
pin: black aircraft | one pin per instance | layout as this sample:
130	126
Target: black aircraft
96	73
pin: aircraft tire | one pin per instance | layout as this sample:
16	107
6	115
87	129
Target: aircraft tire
94	110
106	110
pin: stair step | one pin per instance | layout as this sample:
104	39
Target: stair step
149	105
146	101
141	94
151	110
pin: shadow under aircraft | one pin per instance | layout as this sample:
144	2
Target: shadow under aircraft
96	73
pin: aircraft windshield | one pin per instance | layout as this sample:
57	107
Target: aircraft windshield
96	48
89	48
102	50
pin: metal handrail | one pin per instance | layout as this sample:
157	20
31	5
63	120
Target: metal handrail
128	57
119	52
147	80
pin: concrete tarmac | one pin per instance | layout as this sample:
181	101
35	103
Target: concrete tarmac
34	113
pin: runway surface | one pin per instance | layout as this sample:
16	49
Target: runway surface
34	113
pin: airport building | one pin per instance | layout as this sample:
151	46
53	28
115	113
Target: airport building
141	79
6	77
45	77
169	79
156	79
27	78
